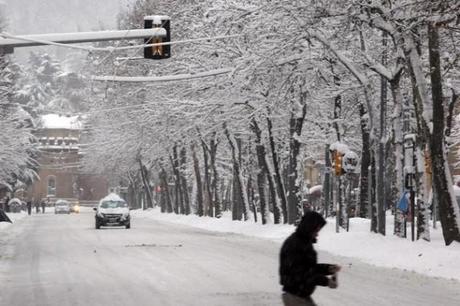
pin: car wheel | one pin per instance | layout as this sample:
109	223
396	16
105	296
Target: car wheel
128	225
98	226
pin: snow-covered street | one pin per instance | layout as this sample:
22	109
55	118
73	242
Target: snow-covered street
62	260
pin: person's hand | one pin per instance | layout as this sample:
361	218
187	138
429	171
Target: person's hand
332	283
334	268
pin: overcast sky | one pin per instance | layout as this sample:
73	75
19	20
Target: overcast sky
51	16
41	16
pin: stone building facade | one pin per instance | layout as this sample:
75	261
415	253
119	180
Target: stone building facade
59	172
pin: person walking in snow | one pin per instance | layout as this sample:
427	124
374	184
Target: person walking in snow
299	269
29	207
43	204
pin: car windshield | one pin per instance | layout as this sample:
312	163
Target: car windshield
62	204
113	204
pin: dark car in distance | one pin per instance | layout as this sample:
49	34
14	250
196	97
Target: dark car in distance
112	211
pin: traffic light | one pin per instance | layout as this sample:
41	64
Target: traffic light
162	51
338	164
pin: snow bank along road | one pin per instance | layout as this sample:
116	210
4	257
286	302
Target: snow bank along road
62	260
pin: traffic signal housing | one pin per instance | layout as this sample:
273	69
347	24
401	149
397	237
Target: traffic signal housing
338	164
161	51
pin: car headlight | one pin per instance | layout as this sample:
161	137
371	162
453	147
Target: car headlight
125	215
99	214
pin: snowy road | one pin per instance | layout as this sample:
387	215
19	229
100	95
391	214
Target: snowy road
62	260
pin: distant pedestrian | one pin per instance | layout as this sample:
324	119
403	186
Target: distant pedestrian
7	204
43	206
299	269
37	206
29	207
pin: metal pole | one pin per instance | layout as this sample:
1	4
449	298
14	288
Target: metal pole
412	192
340	202
434	200
348	205
337	205
327	182
78	37
412	208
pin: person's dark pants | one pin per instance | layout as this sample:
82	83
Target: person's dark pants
29	210
294	300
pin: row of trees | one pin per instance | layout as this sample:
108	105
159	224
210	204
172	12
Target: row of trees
305	74
16	150
28	90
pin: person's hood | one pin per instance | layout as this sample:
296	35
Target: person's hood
309	223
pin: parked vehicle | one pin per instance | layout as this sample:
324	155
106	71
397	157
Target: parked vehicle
15	205
112	211
62	207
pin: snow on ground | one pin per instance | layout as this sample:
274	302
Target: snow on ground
430	258
13	217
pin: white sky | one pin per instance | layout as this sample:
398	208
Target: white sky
53	16
41	16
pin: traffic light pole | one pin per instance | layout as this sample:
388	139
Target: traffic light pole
8	44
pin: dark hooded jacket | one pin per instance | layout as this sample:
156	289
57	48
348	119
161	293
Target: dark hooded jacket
299	270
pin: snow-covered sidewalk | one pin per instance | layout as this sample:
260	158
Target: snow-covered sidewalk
429	258
13	217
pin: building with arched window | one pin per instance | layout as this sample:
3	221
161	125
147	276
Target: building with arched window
60	176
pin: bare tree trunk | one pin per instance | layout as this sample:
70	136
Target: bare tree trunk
448	208
365	163
381	182
372	198
208	207
398	149
251	198
239	192
179	203
146	184
294	201
262	171
166	205
215	179
423	228
199	185
278	179
183	162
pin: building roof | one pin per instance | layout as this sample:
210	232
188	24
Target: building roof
55	121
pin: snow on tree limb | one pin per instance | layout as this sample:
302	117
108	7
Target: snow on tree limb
177	77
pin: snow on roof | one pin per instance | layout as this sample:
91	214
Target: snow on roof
156	18
112	197
340	147
316	188
54	121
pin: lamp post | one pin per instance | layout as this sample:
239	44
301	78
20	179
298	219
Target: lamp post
409	175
